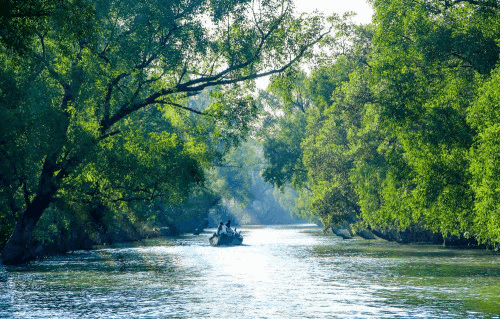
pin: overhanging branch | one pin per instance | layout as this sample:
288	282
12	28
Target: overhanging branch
180	106
199	84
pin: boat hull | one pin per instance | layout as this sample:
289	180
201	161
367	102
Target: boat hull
226	240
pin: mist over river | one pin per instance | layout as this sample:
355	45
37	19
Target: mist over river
278	272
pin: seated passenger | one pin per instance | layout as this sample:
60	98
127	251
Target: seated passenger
224	229
220	229
228	226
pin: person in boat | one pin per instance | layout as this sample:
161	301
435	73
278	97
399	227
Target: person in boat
228	227
221	229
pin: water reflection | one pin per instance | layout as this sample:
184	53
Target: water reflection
279	272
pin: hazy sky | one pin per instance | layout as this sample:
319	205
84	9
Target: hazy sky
361	7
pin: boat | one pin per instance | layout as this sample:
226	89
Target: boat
231	238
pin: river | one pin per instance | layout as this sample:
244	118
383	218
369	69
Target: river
278	272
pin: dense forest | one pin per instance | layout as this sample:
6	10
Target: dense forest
397	132
122	116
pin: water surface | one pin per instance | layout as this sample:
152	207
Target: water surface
279	272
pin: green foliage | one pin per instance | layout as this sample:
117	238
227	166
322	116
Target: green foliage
425	75
129	113
426	69
402	127
189	214
328	155
233	113
289	88
232	178
95	98
485	117
21	21
246	197
282	151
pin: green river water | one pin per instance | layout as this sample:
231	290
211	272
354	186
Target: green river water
278	272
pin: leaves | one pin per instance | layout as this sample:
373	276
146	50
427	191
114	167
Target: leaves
95	95
402	126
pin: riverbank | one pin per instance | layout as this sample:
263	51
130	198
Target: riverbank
413	235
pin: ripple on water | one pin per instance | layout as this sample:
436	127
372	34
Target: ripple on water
279	272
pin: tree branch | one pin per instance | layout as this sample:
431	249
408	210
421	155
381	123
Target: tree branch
42	42
181	107
199	84
138	198
109	134
26	194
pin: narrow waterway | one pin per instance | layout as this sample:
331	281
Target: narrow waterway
279	272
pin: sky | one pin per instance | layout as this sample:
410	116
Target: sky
361	7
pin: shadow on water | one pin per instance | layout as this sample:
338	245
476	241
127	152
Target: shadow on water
384	249
97	283
5	298
128	257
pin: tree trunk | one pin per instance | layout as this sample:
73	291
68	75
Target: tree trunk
19	247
